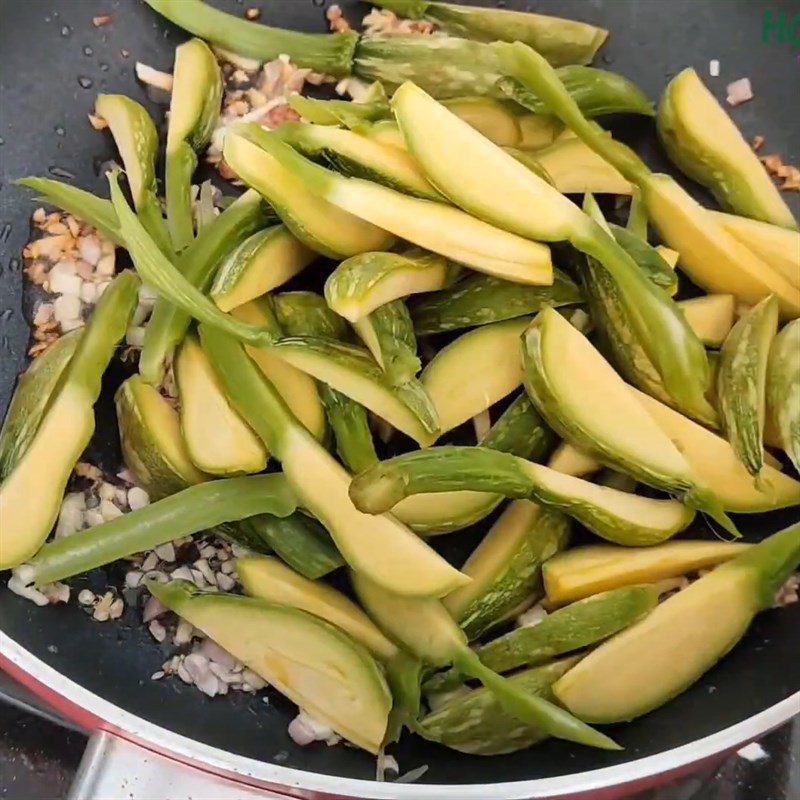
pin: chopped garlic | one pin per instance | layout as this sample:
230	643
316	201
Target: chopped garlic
93	517
88	293
20	584
166	552
61	283
225	582
106	265
70	517
153	77
89	248
183	633
67	307
157	630
86	597
533	616
137	498
106	491
109	511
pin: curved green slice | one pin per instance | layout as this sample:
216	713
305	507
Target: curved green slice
520	431
152	444
573	627
365	282
268	579
424	628
587	403
715	463
742	380
295	387
705	143
616	516
614	317
64	431
350	425
668	355
307	314
779	247
381	547
193	113
560	41
437	227
388	333
575	168
651	340
301	541
506	567
596	92
358	156
168	323
710	316
636	671
217	439
312	662
582	572
137	141
783	389
258	265
475	371
352	371
493	118
564	630
159	273
197	508
342	112
711	256
477	723
312	219
329	53
481	299
31	396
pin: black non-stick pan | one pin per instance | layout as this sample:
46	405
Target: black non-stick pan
52	63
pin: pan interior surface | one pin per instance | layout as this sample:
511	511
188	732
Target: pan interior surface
49	86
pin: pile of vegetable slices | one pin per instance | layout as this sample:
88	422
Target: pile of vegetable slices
554	331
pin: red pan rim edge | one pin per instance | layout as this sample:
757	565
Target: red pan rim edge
92	712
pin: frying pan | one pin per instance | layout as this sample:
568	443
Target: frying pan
53	61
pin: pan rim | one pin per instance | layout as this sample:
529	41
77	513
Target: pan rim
104	715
